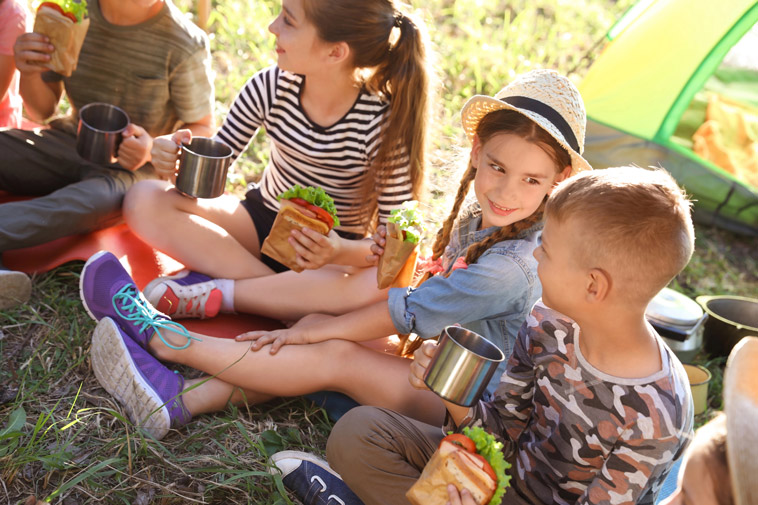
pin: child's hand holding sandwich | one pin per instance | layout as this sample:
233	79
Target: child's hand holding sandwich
396	246
313	248
302	235
472	461
64	23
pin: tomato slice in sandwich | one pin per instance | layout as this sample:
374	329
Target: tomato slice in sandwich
486	466
462	440
321	214
58	8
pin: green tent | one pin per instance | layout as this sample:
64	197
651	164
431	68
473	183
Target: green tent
646	94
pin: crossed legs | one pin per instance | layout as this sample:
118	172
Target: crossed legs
368	376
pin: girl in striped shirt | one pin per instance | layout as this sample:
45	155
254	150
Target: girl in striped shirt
344	109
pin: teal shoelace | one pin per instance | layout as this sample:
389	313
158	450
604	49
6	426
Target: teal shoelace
130	305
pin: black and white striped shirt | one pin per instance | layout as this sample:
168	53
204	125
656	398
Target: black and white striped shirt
336	157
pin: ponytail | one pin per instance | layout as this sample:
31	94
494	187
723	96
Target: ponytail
404	79
392	47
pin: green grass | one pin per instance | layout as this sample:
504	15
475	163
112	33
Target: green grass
63	438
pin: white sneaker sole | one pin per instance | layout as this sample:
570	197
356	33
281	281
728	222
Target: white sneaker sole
117	373
81	282
278	461
15	288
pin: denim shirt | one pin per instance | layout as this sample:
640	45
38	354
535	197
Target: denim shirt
491	297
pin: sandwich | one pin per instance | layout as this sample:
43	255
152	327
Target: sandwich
297	205
472	460
398	263
65	23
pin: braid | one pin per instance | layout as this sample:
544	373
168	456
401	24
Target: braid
475	251
443	235
493	123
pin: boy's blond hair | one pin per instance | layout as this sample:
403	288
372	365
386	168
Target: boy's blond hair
635	224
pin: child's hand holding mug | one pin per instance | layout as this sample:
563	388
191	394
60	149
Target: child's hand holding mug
135	147
165	153
421	359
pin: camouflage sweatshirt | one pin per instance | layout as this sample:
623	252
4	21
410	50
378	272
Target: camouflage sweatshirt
583	436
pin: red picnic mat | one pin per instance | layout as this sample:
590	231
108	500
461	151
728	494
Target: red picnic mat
139	259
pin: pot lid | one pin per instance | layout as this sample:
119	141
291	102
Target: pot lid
672	307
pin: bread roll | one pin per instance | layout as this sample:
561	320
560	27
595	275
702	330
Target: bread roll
451	464
277	245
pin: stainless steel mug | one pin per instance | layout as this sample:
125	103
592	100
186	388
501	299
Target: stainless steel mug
203	164
462	366
99	132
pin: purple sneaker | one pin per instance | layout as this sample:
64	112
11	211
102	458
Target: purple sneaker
149	392
186	294
107	290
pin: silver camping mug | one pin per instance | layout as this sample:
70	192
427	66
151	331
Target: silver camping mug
99	132
462	366
203	164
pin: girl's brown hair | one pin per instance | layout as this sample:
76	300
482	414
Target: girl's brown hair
494	123
398	72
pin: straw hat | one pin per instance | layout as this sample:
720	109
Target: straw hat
545	97
741	406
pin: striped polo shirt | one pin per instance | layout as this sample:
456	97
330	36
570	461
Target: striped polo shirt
336	157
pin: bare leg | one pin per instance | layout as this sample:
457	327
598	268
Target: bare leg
291	295
217	237
213	236
212	395
369	377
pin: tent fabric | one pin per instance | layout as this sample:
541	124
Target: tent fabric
720	200
660	55
641	73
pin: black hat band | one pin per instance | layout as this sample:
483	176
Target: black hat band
544	110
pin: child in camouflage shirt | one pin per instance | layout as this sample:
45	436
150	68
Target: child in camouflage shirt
593	407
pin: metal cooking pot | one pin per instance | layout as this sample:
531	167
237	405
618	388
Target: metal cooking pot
730	319
462	366
203	164
678	319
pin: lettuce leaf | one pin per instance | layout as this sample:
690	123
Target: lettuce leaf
315	196
408	219
77	8
492	451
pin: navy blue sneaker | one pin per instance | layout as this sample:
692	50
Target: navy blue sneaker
312	480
